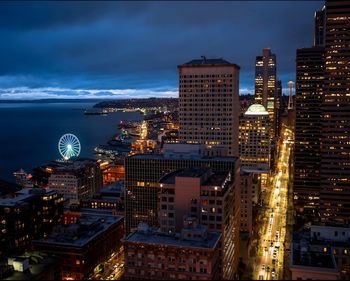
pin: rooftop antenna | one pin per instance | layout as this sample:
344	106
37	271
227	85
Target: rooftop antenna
290	100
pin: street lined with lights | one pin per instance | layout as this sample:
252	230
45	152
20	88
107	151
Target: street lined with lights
269	263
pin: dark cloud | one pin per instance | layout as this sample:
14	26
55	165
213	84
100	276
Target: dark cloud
130	45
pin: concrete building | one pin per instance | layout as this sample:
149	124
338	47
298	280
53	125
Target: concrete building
31	214
85	244
143	171
209	104
312	261
335	163
75	179
209	196
254	141
247	197
192	255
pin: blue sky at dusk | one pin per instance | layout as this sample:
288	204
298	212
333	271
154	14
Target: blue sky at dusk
132	49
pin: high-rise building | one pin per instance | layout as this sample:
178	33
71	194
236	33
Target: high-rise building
212	198
266	85
209	104
143	171
307	150
254	141
335	163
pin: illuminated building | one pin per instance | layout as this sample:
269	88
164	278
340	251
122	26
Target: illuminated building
266	86
211	197
193	255
112	173
31	214
209	104
75	179
143	171
84	245
108	198
254	142
335	163
308	127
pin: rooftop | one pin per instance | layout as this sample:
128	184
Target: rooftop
256	109
209	62
193	172
91	224
179	156
152	237
306	253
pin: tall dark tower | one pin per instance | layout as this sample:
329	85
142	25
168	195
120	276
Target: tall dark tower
307	149
335	163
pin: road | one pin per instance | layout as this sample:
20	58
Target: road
269	262
113	268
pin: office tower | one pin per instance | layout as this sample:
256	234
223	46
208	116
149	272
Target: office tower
211	197
143	171
266	84
307	150
320	27
209	104
193	255
31	214
335	163
254	141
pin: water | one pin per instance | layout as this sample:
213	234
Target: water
29	132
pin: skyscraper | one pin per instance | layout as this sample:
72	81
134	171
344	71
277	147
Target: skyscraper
307	151
209	104
266	85
254	141
335	163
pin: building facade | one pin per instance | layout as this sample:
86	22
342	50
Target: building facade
213	199
335	162
154	256
254	141
83	245
308	129
266	86
209	104
143	171
31	214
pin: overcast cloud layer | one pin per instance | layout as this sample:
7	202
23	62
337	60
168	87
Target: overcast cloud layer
132	49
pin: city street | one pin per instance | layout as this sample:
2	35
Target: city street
269	263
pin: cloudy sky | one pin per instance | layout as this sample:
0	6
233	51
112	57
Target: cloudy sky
132	49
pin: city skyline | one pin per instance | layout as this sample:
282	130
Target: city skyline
122	50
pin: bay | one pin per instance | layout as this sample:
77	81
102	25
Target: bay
29	132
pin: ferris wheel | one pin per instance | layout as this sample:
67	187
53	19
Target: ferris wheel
69	146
